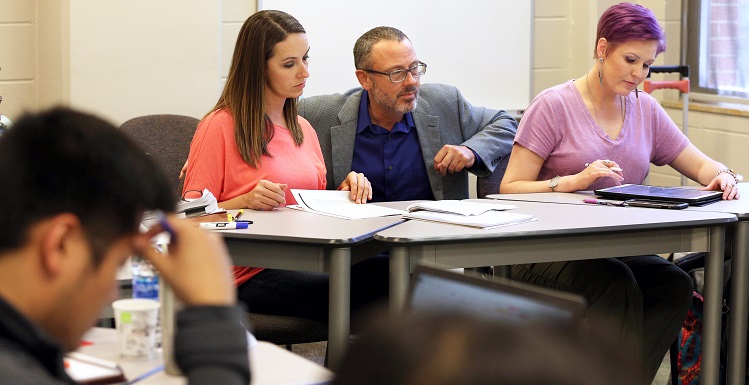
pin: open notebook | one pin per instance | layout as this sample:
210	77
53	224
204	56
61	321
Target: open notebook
501	299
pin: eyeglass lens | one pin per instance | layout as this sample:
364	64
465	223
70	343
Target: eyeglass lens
416	71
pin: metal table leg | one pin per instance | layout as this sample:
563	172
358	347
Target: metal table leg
340	305
709	372
739	305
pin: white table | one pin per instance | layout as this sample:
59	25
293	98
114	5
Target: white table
569	232
269	364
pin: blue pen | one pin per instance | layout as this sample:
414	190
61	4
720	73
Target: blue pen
146	374
167	227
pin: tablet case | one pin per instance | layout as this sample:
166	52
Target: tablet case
693	197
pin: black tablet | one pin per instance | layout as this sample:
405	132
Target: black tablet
693	197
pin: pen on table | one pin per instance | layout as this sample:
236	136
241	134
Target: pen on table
610	168
225	225
93	360
229	217
239	214
605	203
146	374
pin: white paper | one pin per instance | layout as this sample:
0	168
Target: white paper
487	220
337	204
84	368
459	207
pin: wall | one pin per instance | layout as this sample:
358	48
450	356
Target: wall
564	34
563	31
125	61
18	71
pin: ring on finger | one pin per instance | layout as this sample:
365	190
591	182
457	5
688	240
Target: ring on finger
605	162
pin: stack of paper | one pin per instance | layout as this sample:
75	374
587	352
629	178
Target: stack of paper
206	204
466	213
337	204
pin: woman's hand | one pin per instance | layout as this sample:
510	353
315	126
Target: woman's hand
358	184
724	182
183	171
266	195
599	169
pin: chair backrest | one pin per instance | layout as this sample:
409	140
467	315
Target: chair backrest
490	183
436	290
165	137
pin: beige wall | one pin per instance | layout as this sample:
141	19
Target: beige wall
18	72
115	58
563	32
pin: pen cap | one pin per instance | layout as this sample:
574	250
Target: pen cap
242	225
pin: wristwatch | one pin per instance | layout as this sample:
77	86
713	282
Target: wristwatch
554	182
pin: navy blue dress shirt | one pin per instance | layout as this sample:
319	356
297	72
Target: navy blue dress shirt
391	160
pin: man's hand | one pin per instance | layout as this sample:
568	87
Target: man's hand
358	184
453	159
197	265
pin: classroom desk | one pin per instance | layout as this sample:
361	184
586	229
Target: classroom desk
269	364
296	240
569	232
739	303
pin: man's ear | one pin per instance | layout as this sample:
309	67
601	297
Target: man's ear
364	79
58	241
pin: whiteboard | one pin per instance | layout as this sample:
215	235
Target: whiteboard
481	46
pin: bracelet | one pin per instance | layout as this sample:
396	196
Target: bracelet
737	177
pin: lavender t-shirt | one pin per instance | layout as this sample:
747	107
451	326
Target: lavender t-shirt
558	127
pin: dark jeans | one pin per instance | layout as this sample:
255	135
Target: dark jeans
305	294
643	299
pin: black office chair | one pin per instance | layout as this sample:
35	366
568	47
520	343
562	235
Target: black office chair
166	138
286	330
490	184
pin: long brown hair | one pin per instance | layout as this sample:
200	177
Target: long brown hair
244	92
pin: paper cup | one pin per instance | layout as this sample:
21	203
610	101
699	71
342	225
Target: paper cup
136	320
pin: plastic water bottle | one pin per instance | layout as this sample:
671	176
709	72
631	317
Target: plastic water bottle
146	285
145	279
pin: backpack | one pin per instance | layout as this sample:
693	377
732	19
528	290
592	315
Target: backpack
686	357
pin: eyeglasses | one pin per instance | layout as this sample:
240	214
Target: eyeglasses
398	76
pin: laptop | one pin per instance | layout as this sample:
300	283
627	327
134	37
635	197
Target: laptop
499	299
692	197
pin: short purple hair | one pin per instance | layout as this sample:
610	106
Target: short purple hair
626	21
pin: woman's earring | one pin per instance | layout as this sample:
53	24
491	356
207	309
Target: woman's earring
600	74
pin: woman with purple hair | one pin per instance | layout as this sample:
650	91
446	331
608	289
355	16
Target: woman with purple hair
598	131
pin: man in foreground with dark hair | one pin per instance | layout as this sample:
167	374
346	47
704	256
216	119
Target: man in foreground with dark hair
74	190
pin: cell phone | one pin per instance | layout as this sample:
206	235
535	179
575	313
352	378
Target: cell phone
656	204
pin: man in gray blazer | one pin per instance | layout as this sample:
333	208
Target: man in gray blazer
411	141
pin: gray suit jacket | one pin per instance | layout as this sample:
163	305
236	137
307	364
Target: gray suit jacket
442	116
